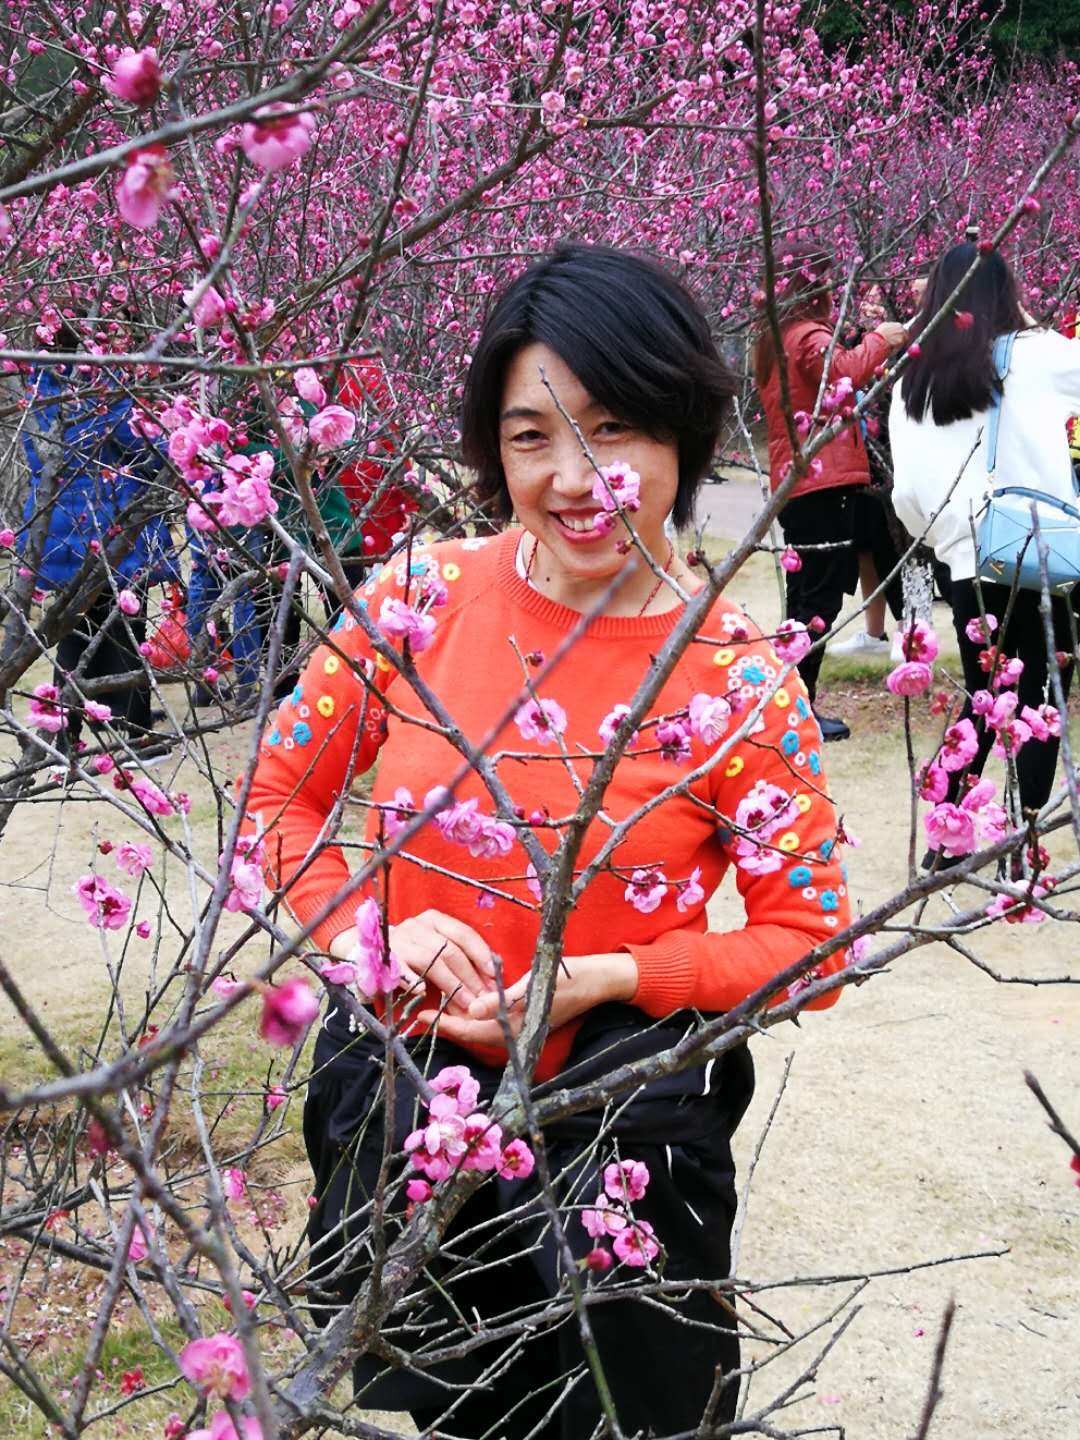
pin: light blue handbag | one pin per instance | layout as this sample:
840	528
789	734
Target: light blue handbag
1007	544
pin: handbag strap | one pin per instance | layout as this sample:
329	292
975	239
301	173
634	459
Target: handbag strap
1003	348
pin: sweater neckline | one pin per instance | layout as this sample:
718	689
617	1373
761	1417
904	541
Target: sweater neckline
562	617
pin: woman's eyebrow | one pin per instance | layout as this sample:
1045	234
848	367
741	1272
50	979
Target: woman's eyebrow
520	412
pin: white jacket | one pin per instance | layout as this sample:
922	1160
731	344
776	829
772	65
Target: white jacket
1042	390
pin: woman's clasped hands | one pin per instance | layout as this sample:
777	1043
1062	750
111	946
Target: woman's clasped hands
438	949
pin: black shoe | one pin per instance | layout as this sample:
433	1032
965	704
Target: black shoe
831	728
937	861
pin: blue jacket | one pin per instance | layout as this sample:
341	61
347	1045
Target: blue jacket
105	469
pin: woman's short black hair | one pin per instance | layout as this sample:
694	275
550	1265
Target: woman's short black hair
632	334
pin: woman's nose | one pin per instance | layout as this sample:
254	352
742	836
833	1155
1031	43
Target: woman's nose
572	474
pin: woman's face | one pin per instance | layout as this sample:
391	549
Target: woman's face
551	480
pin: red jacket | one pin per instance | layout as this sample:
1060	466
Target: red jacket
365	387
843	460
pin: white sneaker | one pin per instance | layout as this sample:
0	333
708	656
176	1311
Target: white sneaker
860	644
896	651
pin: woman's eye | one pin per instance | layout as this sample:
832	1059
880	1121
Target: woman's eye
527	437
612	427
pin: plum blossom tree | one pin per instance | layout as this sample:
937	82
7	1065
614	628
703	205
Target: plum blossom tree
268	235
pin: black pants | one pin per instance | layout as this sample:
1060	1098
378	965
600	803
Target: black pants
661	1367
824	517
1025	639
117	654
874	536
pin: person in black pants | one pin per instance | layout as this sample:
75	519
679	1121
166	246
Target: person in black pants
1025	638
823	518
115	653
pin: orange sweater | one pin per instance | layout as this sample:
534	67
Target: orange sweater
763	806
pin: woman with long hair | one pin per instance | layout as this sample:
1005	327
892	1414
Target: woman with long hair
938	429
603	346
821	511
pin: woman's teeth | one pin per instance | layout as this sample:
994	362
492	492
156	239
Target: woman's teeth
581	525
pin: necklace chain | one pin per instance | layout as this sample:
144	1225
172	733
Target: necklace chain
648	599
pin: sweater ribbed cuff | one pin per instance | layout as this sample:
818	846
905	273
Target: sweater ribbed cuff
666	974
338	921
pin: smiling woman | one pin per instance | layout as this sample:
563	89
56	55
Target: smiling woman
593	404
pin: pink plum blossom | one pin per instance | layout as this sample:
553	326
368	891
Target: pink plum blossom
98	713
1008	673
919	642
709	717
980	629
516	1161
332	427
418	1191
791	641
275	139
136	76
309	387
598	1260
689	893
790	560
1011	739
377	972
959	747
246	498
134	858
233	1183
139	1247
149	796
626	1180
646	890
245	874
397	816
1044	723
1016	911
338	972
208	308
617	486
46	713
912	677
673	735
541	720
460	1085
105	907
483	1143
932	782
128	602
603	1219
398	621
146	184
437	1148
222	1428
636	1246
950	829
287	1011
765	809
275	1096
216	1366
611	722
